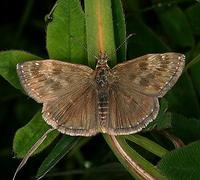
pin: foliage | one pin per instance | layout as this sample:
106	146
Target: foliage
159	26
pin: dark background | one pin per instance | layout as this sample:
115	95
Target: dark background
22	27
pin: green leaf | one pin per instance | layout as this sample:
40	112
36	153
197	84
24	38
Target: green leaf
145	41
66	32
99	30
176	25
193	14
193	53
147	144
194	66
182	163
186	128
63	147
119	29
163	119
8	62
26	136
182	98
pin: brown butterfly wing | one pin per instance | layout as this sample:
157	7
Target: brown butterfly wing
130	111
74	113
65	90
135	88
152	74
48	79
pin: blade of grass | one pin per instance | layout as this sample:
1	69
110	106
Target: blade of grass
147	144
63	147
99	30
119	29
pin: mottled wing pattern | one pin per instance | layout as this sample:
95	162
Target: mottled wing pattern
65	90
69	92
135	88
48	79
130	111
152	74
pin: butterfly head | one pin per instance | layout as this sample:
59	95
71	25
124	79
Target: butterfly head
102	60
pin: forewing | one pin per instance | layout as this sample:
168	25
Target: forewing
130	111
152	74
74	113
47	80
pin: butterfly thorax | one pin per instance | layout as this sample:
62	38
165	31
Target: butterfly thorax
102	76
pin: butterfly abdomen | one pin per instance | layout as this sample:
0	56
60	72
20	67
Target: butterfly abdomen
102	73
103	108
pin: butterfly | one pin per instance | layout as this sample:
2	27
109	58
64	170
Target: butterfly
80	101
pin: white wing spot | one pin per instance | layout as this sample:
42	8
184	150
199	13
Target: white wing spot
163	56
103	117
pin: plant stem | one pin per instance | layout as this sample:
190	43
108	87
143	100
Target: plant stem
147	144
137	166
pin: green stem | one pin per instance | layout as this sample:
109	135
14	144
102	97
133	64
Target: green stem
137	166
192	63
147	144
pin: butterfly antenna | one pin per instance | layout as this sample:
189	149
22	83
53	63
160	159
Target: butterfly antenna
96	57
125	40
31	151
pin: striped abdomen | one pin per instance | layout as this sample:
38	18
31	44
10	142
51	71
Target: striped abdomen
102	72
103	108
